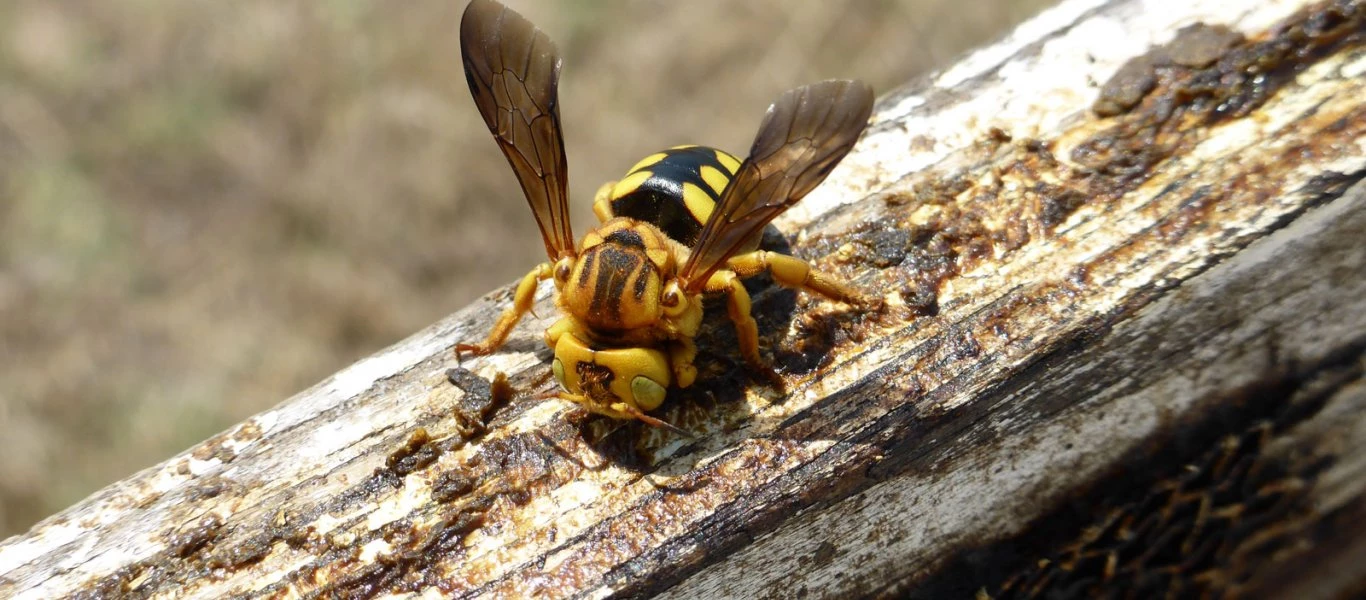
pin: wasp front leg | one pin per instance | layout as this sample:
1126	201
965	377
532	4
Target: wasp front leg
521	303
682	352
796	273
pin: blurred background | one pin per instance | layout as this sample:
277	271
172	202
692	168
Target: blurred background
206	207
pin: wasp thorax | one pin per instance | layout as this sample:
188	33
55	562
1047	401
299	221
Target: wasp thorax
614	286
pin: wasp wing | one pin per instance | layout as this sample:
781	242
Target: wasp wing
804	135
514	70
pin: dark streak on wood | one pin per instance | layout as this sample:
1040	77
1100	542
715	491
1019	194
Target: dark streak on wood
1153	524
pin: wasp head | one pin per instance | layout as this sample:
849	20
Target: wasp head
618	382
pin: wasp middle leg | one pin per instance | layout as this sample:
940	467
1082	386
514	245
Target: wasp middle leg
738	306
787	271
521	304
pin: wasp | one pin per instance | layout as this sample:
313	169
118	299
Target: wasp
682	224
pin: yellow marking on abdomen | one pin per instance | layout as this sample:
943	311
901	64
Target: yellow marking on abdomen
631	182
647	161
699	203
715	179
729	162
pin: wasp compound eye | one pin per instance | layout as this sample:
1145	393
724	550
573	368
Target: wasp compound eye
647	392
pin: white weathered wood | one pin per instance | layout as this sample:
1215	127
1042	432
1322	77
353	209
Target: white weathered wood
1053	356
999	485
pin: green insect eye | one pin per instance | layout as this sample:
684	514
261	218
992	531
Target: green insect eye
648	394
557	367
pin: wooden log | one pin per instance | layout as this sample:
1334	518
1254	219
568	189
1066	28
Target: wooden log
1122	349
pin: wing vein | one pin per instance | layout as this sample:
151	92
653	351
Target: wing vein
803	136
519	104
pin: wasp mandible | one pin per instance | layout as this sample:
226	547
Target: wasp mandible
682	223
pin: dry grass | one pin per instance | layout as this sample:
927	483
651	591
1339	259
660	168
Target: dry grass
207	206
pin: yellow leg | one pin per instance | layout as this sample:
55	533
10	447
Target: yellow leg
738	305
521	303
602	202
681	354
796	273
559	328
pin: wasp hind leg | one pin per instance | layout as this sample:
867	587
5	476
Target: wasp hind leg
796	273
521	304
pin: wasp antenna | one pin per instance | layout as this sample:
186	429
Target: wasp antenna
660	423
553	394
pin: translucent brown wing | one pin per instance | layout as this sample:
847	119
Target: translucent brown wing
514	70
804	135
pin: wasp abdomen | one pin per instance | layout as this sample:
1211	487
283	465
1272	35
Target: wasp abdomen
675	190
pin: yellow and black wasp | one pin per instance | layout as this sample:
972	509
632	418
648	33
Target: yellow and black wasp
683	223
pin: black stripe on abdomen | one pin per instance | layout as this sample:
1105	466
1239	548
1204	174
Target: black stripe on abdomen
659	199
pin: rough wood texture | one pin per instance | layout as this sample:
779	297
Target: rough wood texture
1120	350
